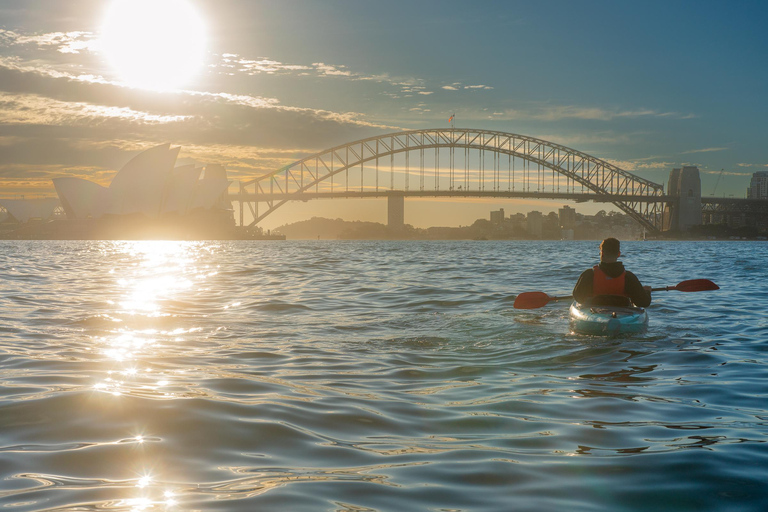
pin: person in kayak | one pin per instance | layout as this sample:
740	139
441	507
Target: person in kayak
609	284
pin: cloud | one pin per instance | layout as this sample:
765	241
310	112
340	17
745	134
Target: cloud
641	165
53	123
562	112
457	86
705	150
724	173
61	42
39	110
329	70
268	66
232	63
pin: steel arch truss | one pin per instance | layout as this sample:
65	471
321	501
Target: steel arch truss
641	199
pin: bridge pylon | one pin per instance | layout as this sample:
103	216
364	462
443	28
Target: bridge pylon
395	211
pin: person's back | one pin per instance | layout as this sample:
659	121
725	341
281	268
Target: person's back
609	283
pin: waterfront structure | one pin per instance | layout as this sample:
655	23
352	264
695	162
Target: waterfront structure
147	186
685	187
758	186
24	210
148	198
452	163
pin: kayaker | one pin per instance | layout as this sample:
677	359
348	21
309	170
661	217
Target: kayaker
609	283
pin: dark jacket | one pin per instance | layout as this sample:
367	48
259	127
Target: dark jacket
632	287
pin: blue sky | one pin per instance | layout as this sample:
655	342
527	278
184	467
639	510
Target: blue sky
646	85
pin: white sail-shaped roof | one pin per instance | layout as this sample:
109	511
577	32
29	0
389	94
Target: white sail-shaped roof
211	188
82	198
25	209
181	189
139	187
148	184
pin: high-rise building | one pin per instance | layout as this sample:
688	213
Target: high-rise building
497	217
535	223
758	187
567	217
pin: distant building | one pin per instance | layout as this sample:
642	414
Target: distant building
517	221
497	217
758	187
535	224
24	210
567	217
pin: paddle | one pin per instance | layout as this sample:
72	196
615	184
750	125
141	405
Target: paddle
534	300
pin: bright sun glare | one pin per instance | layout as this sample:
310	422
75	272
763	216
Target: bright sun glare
154	44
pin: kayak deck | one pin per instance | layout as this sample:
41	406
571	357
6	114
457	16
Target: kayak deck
607	320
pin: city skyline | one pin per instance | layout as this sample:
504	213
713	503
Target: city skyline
648	87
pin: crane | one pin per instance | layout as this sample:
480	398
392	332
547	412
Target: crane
718	181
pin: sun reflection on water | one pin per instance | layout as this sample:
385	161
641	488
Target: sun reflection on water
153	282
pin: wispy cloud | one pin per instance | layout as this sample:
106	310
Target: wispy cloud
723	172
39	110
330	70
562	112
232	63
35	77
705	150
62	42
54	122
262	65
458	86
639	165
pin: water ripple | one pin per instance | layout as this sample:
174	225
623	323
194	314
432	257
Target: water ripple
373	376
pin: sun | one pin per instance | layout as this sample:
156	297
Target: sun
154	44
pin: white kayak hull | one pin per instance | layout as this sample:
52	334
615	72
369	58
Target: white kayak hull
607	320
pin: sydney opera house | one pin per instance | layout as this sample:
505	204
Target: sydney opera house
150	197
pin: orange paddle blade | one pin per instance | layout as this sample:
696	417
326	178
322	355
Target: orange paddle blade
531	300
696	285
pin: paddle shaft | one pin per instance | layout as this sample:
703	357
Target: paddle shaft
662	289
534	300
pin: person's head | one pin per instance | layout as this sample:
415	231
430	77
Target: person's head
610	250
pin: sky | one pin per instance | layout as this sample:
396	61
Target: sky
648	86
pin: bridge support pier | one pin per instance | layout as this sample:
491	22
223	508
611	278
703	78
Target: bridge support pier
396	211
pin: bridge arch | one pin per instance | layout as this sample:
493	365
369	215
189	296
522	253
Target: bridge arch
574	175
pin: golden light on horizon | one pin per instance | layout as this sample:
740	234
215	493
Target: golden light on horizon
154	44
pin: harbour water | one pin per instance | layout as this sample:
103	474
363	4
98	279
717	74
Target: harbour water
375	376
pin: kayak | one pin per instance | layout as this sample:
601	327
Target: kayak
607	320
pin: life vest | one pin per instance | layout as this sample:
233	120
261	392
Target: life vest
604	285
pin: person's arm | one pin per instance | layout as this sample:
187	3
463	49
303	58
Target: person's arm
583	289
640	295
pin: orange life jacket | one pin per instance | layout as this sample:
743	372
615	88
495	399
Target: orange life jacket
604	285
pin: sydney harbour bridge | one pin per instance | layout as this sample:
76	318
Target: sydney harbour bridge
455	163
